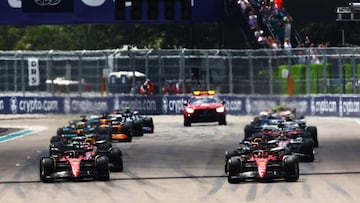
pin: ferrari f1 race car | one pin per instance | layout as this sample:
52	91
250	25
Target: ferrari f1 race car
204	106
74	164
82	156
263	165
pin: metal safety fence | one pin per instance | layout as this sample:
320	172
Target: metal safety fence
300	71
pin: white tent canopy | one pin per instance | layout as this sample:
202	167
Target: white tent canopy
128	74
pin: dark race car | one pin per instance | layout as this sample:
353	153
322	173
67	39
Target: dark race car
264	120
289	135
204	106
136	124
147	122
113	127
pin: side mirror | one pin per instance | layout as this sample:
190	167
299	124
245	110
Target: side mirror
223	102
185	103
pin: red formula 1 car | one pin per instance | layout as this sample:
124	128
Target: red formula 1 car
204	106
74	164
262	165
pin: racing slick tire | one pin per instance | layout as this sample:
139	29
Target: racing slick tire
59	131
102	168
187	122
127	129
104	133
234	166
54	139
56	149
47	168
312	132
148	122
103	148
138	128
248	131
116	160
307	149
232	153
291	168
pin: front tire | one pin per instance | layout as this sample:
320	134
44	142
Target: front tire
116	160
222	121
291	167
187	122
102	168
234	166
47	168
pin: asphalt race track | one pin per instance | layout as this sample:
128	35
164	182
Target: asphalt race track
182	164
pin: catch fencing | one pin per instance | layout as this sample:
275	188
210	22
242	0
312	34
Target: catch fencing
298	72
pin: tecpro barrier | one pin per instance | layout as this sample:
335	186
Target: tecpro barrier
342	106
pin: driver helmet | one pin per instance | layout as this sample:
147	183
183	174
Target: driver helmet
289	116
127	110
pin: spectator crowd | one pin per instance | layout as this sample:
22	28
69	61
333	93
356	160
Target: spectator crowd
270	24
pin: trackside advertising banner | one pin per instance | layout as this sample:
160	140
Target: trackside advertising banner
87	105
348	106
325	106
31	105
39	12
151	105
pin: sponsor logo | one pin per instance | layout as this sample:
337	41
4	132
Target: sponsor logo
94	3
301	106
35	105
47	2
233	105
325	106
165	105
88	106
2	105
13	105
146	105
349	107
67	108
259	105
174	105
90	3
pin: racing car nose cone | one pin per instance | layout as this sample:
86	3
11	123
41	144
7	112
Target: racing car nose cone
262	164
76	172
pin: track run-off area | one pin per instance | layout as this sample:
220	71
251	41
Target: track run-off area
180	164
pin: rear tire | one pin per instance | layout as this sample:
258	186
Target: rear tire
54	139
307	149
248	131
116	160
149	123
312	132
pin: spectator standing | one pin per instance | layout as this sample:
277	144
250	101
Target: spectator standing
252	20
307	41
287	44
147	88
287	22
